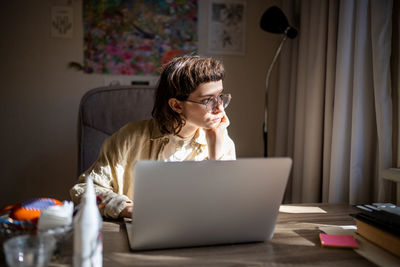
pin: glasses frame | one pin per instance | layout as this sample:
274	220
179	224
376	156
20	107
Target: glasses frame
213	102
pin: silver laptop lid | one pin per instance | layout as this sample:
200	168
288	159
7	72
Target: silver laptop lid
183	204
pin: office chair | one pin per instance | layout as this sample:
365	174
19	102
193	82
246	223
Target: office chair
104	110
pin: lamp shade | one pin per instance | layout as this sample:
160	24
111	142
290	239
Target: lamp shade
274	21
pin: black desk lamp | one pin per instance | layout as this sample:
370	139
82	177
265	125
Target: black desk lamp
274	21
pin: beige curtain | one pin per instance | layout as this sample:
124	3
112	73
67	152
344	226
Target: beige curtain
395	64
334	101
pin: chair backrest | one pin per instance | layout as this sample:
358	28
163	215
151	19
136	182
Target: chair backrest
103	111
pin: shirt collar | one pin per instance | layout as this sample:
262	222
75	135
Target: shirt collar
200	135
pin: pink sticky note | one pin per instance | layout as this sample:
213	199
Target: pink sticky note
341	241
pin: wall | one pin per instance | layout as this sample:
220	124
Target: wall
39	95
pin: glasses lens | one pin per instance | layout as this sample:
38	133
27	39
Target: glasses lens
214	102
226	99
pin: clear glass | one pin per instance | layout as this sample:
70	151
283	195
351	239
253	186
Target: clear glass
214	101
29	250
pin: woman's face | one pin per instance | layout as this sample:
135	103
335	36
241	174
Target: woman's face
196	115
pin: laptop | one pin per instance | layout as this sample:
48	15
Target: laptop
203	203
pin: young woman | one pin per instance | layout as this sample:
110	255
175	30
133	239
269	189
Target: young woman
189	123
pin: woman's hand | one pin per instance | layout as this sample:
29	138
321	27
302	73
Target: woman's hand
215	138
127	211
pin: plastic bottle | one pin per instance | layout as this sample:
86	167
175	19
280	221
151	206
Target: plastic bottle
88	243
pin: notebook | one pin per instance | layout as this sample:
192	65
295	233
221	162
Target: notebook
203	203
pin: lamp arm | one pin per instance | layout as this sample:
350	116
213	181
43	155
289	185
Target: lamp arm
266	91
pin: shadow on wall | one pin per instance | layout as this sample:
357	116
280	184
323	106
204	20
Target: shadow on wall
43	175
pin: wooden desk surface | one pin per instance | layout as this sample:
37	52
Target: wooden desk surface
295	242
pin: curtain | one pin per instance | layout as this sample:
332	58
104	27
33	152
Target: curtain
334	101
395	64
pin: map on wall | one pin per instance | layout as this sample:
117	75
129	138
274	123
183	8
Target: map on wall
136	37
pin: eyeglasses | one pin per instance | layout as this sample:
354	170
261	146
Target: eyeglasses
214	101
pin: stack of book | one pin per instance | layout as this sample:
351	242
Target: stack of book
380	224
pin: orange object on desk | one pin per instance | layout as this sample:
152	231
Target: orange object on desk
30	210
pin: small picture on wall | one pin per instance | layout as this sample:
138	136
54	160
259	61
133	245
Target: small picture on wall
62	20
226	27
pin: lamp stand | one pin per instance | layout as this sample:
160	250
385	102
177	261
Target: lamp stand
265	128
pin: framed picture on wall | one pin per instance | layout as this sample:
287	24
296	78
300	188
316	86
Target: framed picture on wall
226	27
62	22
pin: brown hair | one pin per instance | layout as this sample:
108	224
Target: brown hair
179	78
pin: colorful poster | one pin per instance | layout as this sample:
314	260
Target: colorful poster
135	37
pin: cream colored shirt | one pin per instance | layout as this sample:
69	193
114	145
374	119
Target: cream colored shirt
112	173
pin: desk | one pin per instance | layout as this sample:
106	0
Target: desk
295	242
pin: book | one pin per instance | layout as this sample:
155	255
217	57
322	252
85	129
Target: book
389	222
378	236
